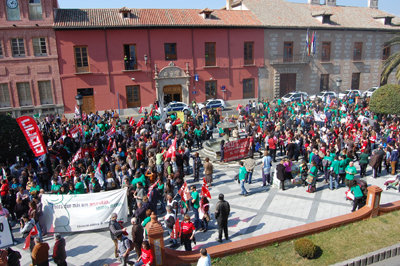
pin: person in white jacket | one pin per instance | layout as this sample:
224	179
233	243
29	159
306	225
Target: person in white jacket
204	259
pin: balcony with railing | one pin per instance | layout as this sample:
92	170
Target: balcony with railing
289	59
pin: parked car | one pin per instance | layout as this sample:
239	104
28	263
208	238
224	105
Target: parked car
213	103
323	95
294	96
349	93
175	107
369	92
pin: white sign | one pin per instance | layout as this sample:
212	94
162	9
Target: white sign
82	212
6	238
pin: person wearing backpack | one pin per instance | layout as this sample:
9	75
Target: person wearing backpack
326	164
169	220
124	248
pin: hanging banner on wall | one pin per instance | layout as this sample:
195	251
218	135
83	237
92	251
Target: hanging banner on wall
32	134
235	150
82	212
6	238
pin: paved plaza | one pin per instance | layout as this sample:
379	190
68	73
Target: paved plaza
265	210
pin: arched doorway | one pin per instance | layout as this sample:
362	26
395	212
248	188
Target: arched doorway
172	93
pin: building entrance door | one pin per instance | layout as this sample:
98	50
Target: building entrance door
287	83
172	93
88	100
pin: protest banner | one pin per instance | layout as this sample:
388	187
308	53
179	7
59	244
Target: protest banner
235	150
32	134
82	212
6	238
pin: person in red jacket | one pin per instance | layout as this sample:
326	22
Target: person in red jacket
4	190
187	232
272	146
147	256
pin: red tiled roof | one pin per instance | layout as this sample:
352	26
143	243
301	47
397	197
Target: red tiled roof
96	18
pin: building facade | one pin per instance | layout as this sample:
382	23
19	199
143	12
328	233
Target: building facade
128	58
29	75
349	45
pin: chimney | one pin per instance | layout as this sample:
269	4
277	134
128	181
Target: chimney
373	4
229	4
330	2
314	2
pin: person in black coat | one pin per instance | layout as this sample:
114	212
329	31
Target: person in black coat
222	211
280	174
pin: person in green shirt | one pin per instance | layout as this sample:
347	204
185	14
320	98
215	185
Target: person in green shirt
326	163
139	178
242	177
364	163
79	187
55	187
358	201
342	167
195	205
35	188
334	173
351	171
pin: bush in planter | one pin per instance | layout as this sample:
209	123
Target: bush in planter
305	248
386	100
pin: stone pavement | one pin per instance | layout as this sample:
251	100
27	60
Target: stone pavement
265	210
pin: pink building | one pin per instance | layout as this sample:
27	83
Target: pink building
126	58
29	75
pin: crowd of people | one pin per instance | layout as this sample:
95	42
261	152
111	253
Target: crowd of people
104	152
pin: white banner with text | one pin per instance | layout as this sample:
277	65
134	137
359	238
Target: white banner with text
82	212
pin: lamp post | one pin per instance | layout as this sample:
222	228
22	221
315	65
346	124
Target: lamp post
338	84
79	102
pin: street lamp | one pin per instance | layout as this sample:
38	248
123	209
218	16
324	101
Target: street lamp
338	83
79	102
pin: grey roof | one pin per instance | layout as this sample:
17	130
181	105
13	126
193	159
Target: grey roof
283	14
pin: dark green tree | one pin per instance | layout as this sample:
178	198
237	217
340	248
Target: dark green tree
12	140
392	62
386	100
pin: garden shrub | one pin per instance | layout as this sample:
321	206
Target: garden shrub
305	248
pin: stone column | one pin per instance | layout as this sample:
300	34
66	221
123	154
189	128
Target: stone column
156	239
373	199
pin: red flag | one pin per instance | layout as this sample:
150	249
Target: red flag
32	134
177	122
184	192
33	232
259	129
172	149
204	189
151	112
238	107
141	122
73	130
84	116
111	131
151	188
71	169
140	110
131	121
110	142
176	231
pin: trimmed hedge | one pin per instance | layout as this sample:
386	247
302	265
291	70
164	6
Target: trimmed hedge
386	100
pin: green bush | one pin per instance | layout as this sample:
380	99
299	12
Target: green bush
386	100
305	248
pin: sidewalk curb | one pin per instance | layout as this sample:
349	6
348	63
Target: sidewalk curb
373	257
